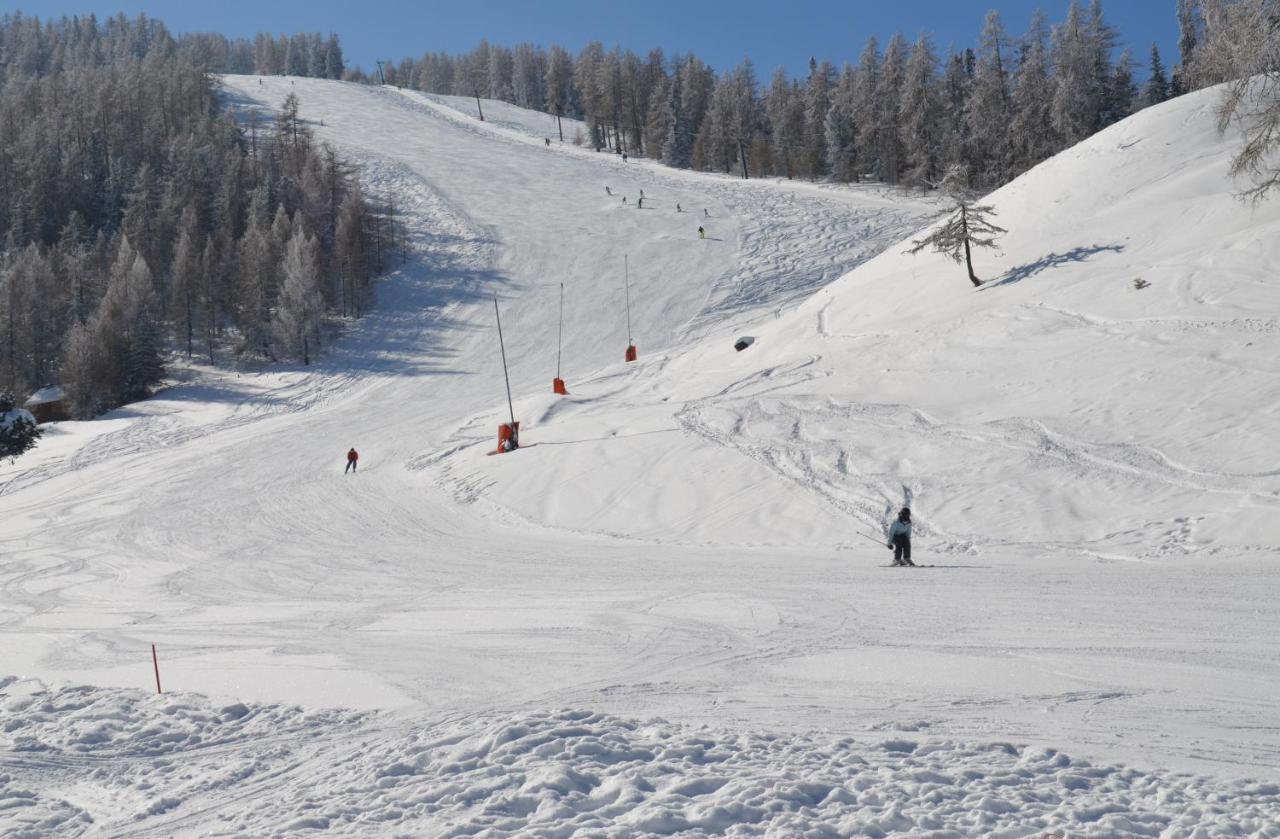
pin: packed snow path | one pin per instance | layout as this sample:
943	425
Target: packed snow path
690	537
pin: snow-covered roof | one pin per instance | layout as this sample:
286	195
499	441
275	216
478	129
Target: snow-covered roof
45	395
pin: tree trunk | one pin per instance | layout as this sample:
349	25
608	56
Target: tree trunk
968	259
968	254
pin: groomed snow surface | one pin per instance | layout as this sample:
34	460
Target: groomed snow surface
667	613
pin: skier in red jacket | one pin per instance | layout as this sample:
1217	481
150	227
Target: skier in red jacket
352	457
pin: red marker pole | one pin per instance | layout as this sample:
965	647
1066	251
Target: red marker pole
155	662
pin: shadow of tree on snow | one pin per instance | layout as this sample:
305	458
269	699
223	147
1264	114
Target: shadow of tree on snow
1053	260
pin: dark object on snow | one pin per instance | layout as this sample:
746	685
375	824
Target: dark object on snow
743	342
702	234
353	457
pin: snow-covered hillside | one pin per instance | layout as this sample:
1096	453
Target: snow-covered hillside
693	540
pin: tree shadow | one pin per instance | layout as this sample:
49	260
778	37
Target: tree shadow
1053	260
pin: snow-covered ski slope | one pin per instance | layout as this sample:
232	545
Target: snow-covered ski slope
684	554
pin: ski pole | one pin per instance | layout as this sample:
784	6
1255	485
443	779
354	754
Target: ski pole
872	538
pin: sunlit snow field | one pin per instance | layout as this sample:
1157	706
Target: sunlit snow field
667	614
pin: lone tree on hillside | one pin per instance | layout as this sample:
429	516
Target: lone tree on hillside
966	228
18	429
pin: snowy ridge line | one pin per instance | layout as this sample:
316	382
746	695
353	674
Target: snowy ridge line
78	760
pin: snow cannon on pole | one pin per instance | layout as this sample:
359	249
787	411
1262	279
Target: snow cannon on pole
508	433
626	282
557	384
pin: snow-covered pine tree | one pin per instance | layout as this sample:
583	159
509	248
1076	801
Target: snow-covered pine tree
715	147
18	429
956	82
333	62
784	112
969	226
126	330
990	110
80	372
657	125
1032	131
677	148
919	114
888	142
840	129
1121	92
256	272
1075	99
1157	89
867	108
817	100
301	306
559	81
1190	27
184	275
349	255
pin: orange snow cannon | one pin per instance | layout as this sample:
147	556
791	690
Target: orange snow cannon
508	437
557	387
631	352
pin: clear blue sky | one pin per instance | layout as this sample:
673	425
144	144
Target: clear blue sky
773	33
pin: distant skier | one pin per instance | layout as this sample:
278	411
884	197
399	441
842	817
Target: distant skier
678	210
706	212
624	157
352	457
702	234
608	191
900	538
624	199
547	140
640	203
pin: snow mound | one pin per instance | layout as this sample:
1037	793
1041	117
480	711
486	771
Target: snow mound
82	760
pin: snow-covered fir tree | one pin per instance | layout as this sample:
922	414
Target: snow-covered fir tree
301	305
989	110
920	116
1157	87
18	429
1032	133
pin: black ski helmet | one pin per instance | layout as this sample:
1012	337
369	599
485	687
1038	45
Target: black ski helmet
905	515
